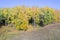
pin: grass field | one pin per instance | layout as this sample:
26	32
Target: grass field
49	32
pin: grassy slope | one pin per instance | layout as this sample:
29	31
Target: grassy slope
50	32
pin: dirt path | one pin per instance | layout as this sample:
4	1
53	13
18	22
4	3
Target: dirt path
49	32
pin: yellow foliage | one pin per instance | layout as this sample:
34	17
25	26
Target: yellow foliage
20	16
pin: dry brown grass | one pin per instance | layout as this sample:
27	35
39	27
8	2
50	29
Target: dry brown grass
49	32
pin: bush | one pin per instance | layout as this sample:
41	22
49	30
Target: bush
45	17
22	17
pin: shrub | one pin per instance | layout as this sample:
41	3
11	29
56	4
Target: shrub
22	17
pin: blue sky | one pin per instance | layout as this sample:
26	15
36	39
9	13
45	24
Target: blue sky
40	3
